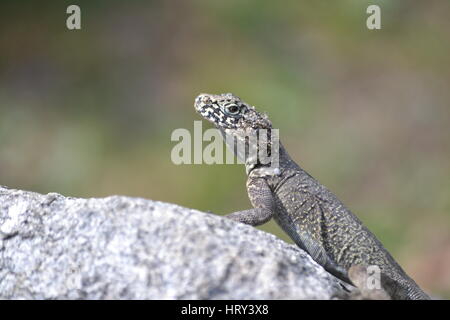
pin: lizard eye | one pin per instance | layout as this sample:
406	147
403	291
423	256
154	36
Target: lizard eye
232	109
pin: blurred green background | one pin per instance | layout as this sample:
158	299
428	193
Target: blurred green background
89	113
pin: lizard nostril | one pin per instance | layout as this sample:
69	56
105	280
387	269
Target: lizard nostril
203	98
199	98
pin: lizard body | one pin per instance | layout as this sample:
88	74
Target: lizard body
308	212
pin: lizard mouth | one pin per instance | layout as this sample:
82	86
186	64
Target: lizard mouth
202	104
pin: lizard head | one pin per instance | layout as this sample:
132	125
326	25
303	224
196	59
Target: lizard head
238	122
227	111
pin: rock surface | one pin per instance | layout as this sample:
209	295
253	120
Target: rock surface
56	247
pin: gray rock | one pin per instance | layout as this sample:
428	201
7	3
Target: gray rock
56	247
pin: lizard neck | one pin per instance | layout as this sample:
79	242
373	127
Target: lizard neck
282	162
277	161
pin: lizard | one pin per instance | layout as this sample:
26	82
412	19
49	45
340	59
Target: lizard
313	217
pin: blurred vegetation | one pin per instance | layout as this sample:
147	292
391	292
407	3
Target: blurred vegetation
89	113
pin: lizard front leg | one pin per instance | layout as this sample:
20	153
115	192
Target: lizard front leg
263	204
